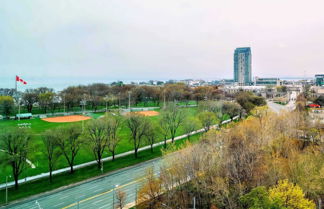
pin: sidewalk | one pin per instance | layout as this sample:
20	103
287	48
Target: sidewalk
62	170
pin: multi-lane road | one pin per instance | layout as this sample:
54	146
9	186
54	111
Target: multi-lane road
98	193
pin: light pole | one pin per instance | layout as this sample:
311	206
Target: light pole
135	196
119	100
19	109
106	100
7	188
64	103
129	100
163	99
113	206
194	202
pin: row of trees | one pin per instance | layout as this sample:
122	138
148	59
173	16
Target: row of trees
99	95
266	161
96	95
103	135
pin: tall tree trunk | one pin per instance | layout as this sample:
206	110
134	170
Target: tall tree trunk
51	176
99	163
16	181
135	152
113	155
71	169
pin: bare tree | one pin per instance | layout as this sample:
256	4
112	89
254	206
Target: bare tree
151	135
113	123
173	117
15	144
164	130
231	109
97	139
70	143
121	199
150	194
190	125
29	98
207	119
52	150
138	126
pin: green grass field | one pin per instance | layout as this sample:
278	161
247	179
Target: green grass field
37	148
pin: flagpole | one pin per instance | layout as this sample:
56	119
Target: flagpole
18	98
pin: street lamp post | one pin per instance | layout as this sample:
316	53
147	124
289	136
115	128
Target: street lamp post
7	188
64	103
19	109
113	206
163	99
106	104
129	100
119	100
135	196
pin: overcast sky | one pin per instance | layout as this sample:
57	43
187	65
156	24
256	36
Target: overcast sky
105	40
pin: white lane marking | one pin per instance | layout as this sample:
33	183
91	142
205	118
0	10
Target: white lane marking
58	204
90	188
104	206
61	198
97	190
98	201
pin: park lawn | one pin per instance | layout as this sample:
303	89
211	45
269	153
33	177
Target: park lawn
38	158
43	185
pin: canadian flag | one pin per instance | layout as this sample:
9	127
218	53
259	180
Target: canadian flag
20	80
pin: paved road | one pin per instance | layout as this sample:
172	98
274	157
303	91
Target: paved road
98	193
278	108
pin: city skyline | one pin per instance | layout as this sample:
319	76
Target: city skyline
164	40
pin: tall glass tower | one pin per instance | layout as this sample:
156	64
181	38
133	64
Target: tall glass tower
242	66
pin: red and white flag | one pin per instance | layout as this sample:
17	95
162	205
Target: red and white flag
20	80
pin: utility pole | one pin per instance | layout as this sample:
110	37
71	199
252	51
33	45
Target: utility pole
119	100
194	202
135	196
19	109
106	100
163	99
7	189
129	101
113	206
64	103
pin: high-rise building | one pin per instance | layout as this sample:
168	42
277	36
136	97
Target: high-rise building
319	80
242	66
